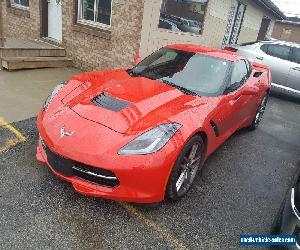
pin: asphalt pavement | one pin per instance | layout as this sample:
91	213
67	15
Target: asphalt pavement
240	191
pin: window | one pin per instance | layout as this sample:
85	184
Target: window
95	12
164	57
296	55
183	15
240	73
24	4
249	67
277	50
264	48
201	74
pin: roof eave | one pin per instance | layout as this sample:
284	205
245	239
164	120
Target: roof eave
270	6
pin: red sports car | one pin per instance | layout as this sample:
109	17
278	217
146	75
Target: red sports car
142	134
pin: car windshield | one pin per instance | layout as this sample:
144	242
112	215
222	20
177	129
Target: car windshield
192	73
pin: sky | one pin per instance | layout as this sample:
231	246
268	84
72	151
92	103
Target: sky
289	7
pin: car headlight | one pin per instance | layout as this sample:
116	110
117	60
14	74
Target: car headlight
53	94
151	141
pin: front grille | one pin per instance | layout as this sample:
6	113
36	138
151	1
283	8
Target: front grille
70	168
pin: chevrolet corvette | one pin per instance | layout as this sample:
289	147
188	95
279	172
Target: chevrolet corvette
142	134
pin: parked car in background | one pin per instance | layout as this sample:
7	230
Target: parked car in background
143	134
287	221
189	26
167	24
282	57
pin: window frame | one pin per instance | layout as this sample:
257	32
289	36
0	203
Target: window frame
224	84
292	58
243	80
161	29
275	44
94	24
19	6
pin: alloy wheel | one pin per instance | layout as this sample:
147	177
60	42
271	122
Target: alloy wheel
188	169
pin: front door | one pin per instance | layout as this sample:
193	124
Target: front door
294	73
236	107
55	20
277	56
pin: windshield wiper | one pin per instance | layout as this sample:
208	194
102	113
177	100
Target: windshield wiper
182	89
133	74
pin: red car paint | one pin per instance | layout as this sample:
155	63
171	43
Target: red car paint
99	133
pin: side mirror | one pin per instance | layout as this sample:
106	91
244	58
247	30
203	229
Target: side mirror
137	59
250	91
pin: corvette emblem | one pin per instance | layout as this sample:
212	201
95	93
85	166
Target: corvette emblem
64	133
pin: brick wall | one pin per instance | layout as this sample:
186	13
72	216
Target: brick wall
90	48
93	48
280	32
99	49
24	24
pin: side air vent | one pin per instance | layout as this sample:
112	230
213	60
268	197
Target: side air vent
106	101
215	128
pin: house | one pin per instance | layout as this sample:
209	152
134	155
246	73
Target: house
109	33
287	30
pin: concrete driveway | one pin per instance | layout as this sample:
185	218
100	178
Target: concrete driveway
241	189
23	92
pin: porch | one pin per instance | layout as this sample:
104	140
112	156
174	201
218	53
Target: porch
28	54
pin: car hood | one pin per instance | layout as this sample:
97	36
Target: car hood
126	104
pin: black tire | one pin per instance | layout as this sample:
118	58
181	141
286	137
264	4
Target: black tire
259	112
184	166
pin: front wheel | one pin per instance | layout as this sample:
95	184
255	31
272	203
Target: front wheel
260	112
186	168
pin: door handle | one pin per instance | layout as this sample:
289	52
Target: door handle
260	58
296	68
236	97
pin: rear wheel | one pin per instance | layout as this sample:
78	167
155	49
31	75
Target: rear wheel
186	168
260	112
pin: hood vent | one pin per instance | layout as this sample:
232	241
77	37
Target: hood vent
106	101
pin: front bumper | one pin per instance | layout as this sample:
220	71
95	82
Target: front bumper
146	185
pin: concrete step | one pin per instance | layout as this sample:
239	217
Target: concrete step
13	63
32	52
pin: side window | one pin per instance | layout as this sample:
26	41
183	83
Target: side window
167	57
277	50
239	73
296	55
249	67
264	48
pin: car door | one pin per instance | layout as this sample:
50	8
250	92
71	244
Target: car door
234	105
243	103
294	73
277	57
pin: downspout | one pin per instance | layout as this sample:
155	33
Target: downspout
1	27
1	34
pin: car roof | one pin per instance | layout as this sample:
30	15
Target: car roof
214	52
281	42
